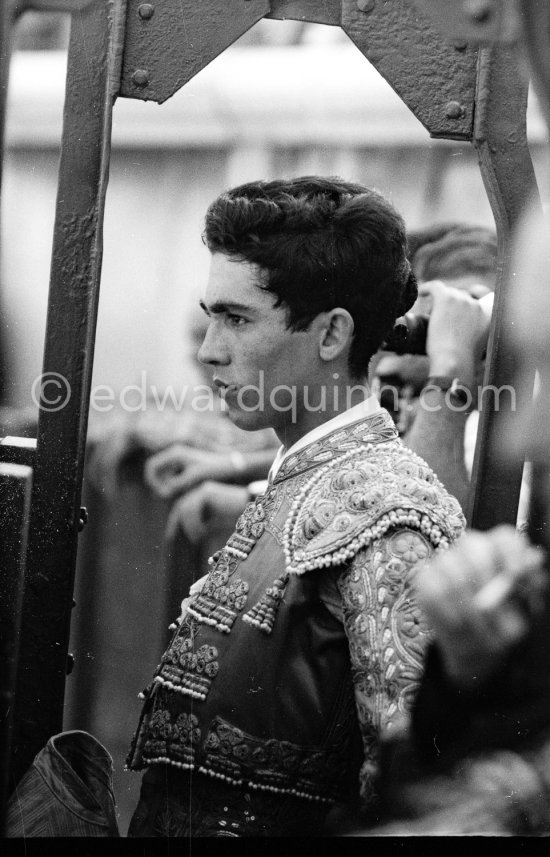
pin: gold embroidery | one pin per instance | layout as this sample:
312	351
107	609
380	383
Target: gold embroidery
387	635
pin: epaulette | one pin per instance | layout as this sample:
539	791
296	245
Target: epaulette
359	496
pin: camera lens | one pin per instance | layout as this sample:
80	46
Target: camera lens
408	335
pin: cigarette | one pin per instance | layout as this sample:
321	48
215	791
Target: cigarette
494	592
499	588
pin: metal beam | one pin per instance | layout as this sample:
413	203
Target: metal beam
93	76
500	138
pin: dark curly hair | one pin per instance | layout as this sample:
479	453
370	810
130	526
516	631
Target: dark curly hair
322	243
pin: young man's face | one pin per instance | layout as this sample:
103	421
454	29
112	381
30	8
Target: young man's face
254	357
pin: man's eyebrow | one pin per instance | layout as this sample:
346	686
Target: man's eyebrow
220	306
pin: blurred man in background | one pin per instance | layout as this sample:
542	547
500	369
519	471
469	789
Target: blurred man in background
455	265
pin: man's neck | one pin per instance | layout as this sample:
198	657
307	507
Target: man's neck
320	406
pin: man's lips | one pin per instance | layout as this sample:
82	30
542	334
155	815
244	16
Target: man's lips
224	388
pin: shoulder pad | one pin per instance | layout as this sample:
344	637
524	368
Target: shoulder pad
359	496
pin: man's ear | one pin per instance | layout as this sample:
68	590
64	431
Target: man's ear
336	334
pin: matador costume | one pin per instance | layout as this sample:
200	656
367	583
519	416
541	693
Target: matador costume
301	648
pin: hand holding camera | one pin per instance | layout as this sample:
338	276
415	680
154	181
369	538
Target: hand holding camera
452	329
457	333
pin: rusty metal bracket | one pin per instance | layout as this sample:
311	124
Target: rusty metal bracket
169	42
435	77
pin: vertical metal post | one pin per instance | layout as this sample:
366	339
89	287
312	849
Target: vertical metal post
500	138
15	495
93	77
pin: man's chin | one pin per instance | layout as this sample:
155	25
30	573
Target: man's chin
247	421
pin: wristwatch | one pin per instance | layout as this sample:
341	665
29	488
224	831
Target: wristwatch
459	394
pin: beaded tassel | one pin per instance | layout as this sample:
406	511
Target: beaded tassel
264	612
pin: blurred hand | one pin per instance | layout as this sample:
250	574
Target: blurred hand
479	597
397	369
179	468
109	449
457	331
211	501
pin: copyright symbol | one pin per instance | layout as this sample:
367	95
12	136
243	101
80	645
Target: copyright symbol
50	391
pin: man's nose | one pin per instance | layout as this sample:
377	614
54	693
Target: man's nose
479	290
212	350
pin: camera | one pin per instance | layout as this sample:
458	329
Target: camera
410	331
408	335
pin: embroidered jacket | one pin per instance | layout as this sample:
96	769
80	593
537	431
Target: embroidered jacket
304	643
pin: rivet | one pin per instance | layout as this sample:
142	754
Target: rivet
146	11
140	77
365	5
454	110
478	10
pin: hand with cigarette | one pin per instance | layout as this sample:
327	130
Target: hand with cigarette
479	598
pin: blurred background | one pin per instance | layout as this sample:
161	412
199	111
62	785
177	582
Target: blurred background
287	99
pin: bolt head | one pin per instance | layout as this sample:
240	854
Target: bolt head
146	11
454	110
365	5
140	78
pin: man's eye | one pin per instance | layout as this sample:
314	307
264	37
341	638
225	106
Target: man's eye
236	320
